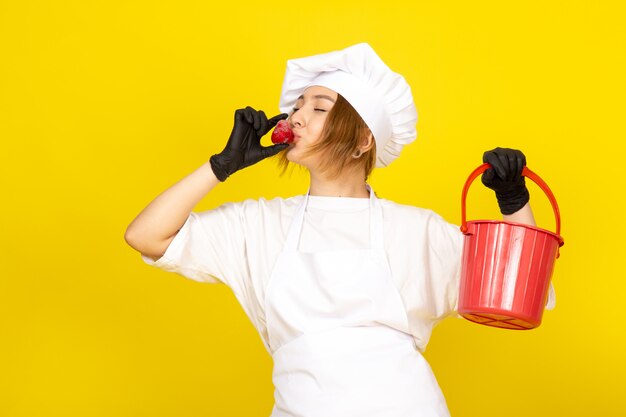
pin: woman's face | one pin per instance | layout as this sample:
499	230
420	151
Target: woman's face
308	119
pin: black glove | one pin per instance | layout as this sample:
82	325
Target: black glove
244	144
505	178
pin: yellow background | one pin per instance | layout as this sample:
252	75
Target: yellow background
105	104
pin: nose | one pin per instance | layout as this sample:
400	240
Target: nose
296	120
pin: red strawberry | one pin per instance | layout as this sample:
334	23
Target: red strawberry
282	133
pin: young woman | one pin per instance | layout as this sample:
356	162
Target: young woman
343	287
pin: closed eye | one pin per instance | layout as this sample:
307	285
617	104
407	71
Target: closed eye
295	109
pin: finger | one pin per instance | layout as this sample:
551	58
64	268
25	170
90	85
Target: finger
274	120
486	156
518	164
503	169
274	149
521	162
487	177
248	114
237	133
492	158
511	160
515	164
263	123
256	120
240	114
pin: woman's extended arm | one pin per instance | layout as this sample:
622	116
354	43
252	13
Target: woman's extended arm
156	226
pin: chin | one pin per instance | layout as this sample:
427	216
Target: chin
295	159
292	155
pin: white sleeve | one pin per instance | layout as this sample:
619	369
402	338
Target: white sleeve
210	247
445	244
551	302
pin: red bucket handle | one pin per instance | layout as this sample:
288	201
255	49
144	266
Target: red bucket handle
525	172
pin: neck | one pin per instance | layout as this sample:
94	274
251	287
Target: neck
342	186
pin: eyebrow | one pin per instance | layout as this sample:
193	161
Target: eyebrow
324	96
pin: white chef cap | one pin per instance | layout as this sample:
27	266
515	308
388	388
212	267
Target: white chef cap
382	97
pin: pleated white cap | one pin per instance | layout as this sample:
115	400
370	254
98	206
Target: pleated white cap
381	97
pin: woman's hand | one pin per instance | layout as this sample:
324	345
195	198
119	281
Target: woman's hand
505	178
244	144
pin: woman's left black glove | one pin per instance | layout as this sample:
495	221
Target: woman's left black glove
505	178
244	144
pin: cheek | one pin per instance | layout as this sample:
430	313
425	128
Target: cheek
316	130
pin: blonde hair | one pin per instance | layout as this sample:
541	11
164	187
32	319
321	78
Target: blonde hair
343	133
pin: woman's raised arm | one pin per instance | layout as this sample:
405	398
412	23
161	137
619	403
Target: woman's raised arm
156	226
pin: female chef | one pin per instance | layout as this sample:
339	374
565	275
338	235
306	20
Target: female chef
343	287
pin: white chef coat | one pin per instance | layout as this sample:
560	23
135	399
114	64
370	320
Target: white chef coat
238	243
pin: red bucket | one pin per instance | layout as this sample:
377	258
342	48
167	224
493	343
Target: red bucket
506	266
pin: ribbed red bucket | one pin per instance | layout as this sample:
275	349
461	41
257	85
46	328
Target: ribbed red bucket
506	267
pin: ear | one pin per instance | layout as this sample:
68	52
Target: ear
368	144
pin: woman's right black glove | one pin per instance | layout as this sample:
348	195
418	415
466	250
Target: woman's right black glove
244	144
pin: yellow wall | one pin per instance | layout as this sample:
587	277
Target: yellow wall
105	104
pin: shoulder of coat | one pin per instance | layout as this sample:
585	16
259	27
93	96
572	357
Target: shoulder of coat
405	210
